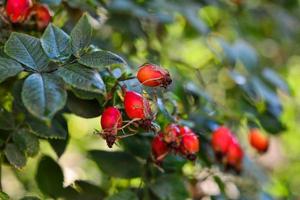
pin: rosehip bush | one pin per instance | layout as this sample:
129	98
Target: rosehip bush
125	99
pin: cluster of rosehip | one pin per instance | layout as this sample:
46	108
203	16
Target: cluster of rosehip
175	139
19	11
137	107
228	150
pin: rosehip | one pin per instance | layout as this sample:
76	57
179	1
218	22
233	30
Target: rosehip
111	120
18	10
159	147
42	15
234	155
221	139
258	140
136	106
152	75
185	130
172	135
189	145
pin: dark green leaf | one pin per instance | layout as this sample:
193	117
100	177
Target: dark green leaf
49	177
43	95
56	43
14	156
6	120
110	162
26	141
84	94
81	35
83	108
78	76
169	187
138	146
56	130
100	59
88	191
123	195
59	146
27	50
9	68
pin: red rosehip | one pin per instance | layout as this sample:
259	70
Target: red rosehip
172	135
136	106
189	145
159	147
18	10
234	155
258	140
221	139
152	75
42	15
185	130
111	120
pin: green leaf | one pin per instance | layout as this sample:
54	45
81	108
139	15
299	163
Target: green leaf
6	120
81	35
14	156
56	130
100	59
49	177
169	187
111	162
43	95
59	146
88	191
123	195
56	43
80	77
27	50
138	146
83	108
26	142
4	196
9	68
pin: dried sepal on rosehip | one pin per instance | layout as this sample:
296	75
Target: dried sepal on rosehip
172	136
153	76
111	121
18	10
258	140
159	148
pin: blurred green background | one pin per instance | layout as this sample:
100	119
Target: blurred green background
233	62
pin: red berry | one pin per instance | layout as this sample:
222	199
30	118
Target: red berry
159	147
136	106
258	140
185	130
189	145
172	135
234	155
18	10
152	75
42	15
111	120
221	139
